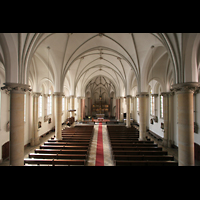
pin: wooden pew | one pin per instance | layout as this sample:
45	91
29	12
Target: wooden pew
58	156
141	152
138	148
71	150
130	141
53	162
79	141
143	157
67	143
63	147
145	163
61	151
134	144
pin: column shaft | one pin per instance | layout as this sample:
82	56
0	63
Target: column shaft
143	114
16	128
166	117
58	115
16	122
185	93
185	128
121	110
35	140
128	110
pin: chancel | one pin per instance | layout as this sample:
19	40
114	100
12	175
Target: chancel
100	99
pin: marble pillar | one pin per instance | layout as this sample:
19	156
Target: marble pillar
58	115
17	92
35	140
128	110
184	93
143	114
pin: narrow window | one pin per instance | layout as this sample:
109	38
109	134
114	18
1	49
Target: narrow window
152	104
161	106
49	103
137	104
24	107
40	107
63	103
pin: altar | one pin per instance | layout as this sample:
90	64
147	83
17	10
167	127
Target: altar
100	116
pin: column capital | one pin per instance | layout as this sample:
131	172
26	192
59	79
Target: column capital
129	96
58	94
16	87
72	96
165	94
154	95
142	94
185	87
36	94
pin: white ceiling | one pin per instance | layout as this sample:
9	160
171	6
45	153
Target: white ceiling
75	59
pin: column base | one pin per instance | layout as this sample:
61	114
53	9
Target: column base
35	142
165	142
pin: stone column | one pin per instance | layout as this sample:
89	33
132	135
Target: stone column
35	140
16	122
171	120
117	108
128	110
143	114
166	117
68	107
58	115
121	118
72	105
185	122
79	108
83	108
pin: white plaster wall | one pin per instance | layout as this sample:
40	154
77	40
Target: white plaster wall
197	135
155	127
5	117
175	120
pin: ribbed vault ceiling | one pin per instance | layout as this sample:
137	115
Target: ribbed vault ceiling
75	59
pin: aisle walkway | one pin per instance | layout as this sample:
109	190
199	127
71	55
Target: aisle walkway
100	151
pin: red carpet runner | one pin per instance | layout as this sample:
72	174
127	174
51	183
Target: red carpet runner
99	152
